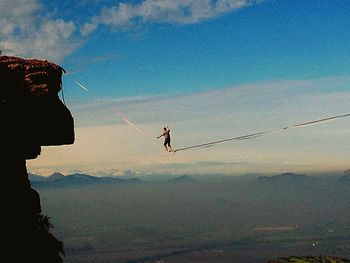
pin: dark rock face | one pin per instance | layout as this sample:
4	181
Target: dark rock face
32	113
32	116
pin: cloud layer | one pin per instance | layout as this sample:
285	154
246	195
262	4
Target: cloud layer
29	29
126	15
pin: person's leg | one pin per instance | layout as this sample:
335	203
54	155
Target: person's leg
169	146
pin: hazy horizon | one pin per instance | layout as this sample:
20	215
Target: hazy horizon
105	143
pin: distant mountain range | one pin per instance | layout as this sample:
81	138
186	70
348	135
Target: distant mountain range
78	179
60	180
182	179
286	178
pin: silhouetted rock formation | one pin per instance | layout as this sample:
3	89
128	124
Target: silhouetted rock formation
32	116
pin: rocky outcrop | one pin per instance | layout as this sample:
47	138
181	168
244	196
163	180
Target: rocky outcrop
32	116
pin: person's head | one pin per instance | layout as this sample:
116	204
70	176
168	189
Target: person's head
164	128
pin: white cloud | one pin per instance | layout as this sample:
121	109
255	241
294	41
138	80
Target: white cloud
27	31
165	11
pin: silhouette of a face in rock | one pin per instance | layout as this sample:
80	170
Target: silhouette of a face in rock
32	114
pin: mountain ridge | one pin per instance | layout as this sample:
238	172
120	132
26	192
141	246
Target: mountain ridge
285	176
182	179
76	179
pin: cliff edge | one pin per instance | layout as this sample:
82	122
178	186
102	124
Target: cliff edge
32	116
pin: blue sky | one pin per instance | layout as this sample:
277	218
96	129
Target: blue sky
170	62
270	40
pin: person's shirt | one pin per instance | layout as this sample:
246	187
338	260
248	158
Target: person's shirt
166	134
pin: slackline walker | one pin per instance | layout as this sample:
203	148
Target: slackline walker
259	134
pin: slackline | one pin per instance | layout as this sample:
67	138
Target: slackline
259	134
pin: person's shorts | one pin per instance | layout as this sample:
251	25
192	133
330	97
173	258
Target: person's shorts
167	141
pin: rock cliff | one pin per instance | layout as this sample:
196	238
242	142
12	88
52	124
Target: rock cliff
32	116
